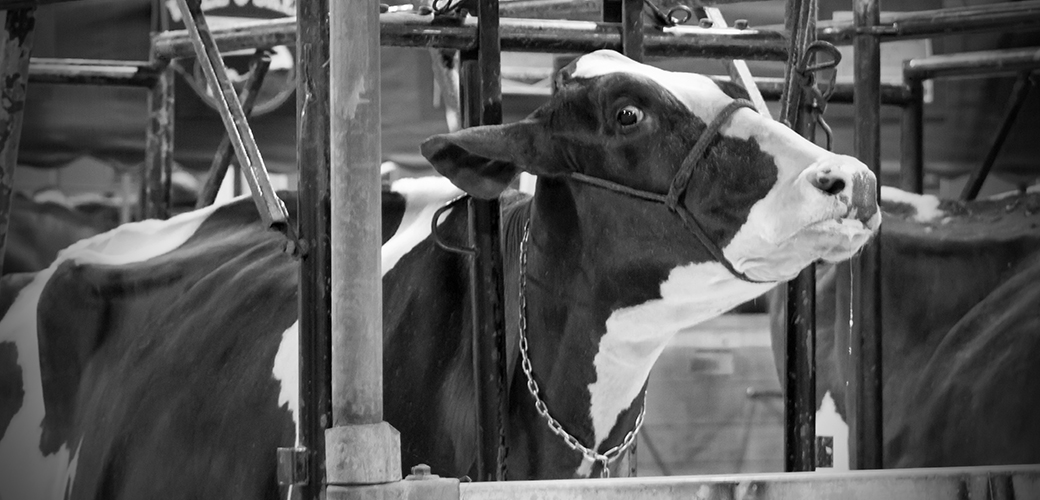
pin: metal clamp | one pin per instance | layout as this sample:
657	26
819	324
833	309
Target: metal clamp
293	466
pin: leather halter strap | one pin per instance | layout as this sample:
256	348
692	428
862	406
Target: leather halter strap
680	183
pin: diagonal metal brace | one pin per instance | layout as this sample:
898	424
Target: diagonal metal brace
738	69
272	210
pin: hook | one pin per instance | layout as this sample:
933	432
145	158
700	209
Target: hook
434	229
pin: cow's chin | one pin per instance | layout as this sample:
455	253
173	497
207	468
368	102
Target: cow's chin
831	240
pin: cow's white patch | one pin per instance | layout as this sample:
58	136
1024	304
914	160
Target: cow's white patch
286	371
24	471
926	206
830	423
636	335
423	196
70	474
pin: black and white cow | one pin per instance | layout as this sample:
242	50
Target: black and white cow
159	359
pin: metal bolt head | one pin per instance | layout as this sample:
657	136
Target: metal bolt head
707	23
740	24
421	472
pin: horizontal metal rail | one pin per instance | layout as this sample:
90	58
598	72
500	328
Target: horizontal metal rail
1006	16
904	484
93	72
25	4
988	62
527	35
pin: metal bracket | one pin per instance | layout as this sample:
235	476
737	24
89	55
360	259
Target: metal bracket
293	466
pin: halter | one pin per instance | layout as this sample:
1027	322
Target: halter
680	183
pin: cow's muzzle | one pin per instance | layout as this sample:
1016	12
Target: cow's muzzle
851	182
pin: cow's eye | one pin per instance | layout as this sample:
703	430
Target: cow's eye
629	116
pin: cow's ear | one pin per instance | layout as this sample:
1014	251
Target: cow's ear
483	160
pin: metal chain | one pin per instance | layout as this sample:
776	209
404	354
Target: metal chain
572	442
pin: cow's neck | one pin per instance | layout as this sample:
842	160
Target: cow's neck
603	302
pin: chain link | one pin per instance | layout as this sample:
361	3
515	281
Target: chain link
572	442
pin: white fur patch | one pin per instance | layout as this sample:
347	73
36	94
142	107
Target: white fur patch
286	371
636	335
830	423
926	205
423	196
24	471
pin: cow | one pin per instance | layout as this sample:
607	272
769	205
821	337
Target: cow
960	333
159	359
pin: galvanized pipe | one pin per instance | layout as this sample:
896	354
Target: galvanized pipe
92	72
530	35
800	341
864	399
1018	97
911	165
272	210
481	94
15	48
313	229
258	66
1006	16
158	150
987	62
357	325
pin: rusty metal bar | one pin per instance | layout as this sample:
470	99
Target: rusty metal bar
313	229
481	94
258	67
737	68
15	48
529	35
911	165
988	62
1006	16
158	155
272	210
1021	90
864	398
93	72
905	484
548	9
800	351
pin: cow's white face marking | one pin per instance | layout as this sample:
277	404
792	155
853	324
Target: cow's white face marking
926	206
423	197
24	471
636	335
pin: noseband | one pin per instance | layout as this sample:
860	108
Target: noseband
680	183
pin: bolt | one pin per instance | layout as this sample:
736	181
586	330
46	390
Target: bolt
421	472
706	23
740	24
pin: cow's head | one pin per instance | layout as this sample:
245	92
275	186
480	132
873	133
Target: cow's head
770	201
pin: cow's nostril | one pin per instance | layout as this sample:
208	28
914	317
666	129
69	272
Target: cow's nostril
828	183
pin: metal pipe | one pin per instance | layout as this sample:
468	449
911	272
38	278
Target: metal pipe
1018	97
357	326
548	9
911	165
482	100
865	398
313	230
258	66
158	155
905	484
272	210
1006	16
800	351
92	72
632	31
529	35
988	62
15	48
738	69
772	89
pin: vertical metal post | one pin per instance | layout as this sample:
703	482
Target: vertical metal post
1018	98
313	229
482	105
158	156
865	386
632	29
16	43
911	164
800	353
361	449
